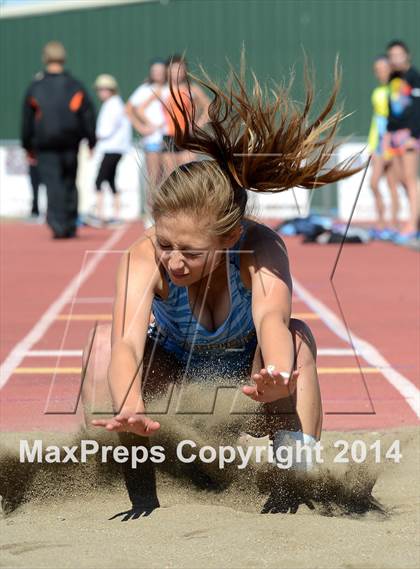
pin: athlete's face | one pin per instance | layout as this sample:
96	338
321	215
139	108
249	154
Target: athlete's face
158	73
398	58
186	248
382	69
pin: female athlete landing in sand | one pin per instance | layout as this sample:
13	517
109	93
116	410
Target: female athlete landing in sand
208	284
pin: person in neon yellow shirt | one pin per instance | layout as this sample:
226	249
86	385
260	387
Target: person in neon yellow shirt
381	158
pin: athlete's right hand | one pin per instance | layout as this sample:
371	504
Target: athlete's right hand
129	422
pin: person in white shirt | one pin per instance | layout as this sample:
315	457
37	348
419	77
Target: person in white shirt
114	138
146	113
191	95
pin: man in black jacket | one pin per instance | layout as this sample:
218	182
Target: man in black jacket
57	115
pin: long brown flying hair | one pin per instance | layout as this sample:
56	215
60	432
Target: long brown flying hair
259	140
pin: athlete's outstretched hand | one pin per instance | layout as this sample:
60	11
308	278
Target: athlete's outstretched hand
271	386
130	422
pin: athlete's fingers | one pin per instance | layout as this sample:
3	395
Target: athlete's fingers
109	424
143	425
102	422
149	424
251	391
116	427
121	418
279	377
152	426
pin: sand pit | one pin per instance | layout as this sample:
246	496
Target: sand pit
75	515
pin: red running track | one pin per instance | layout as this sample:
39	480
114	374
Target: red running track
376	283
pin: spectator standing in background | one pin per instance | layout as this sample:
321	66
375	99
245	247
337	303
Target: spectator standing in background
381	163
190	93
57	115
403	137
147	116
113	133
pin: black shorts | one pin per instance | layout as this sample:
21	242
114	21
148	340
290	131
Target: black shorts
107	171
169	144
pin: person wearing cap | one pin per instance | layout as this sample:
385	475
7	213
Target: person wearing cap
113	133
57	114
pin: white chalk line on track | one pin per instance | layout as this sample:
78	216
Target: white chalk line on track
54	353
408	391
20	350
94	300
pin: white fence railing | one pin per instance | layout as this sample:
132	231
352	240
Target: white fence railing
15	190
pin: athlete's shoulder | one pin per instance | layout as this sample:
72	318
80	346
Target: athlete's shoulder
143	249
258	235
263	247
139	264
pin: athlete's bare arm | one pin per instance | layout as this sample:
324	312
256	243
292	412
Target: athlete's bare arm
271	283
138	278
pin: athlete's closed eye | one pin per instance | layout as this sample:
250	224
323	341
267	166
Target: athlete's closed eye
190	254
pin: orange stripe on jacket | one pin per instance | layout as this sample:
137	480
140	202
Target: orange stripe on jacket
76	101
171	104
35	105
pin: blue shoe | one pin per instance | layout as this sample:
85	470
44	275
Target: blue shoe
287	229
374	233
387	234
404	239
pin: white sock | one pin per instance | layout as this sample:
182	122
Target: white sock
290	439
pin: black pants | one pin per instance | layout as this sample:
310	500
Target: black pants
58	171
34	177
107	171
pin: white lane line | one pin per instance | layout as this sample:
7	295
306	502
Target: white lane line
94	300
54	353
335	352
17	354
404	386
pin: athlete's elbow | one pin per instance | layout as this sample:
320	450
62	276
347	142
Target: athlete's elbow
267	317
124	347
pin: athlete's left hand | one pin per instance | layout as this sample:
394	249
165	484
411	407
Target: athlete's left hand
268	388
